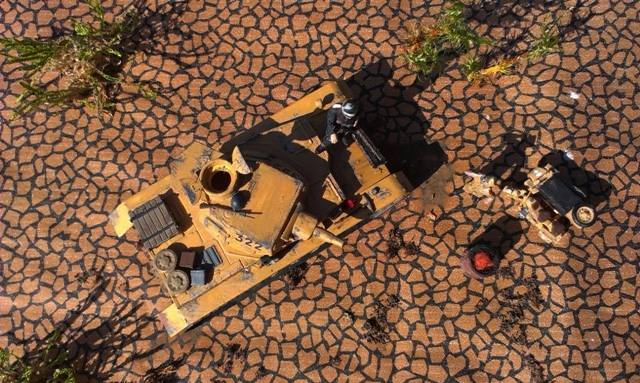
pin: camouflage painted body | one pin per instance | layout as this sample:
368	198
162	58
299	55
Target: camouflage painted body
289	201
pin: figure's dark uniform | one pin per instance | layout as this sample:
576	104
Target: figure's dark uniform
338	124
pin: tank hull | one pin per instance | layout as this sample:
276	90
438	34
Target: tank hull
253	245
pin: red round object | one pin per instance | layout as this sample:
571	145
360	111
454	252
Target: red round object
482	261
349	203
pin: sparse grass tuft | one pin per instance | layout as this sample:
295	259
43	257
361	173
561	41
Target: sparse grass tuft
454	31
427	46
471	68
81	68
547	42
421	50
50	364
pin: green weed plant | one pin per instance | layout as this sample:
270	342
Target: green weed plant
80	68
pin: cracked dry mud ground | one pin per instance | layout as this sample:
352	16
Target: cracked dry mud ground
227	65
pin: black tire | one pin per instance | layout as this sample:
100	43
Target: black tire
584	215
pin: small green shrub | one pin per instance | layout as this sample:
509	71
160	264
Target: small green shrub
49	364
82	67
471	67
427	46
547	42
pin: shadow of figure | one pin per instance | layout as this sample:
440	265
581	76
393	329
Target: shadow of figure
393	119
502	235
509	164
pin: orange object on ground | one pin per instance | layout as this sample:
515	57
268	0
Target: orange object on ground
482	261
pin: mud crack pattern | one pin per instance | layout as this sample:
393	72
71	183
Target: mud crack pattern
226	65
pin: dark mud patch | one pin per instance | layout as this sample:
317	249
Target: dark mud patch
398	247
377	325
295	274
515	301
505	272
165	373
92	276
262	372
336	360
536	370
233	353
518	305
351	315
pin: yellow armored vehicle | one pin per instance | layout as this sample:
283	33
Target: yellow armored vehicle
224	221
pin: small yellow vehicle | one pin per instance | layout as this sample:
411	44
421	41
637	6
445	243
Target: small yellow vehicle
222	222
546	201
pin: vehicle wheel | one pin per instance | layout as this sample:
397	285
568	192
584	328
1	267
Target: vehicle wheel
583	215
479	262
166	260
177	281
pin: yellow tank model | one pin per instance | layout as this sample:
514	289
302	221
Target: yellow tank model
224	221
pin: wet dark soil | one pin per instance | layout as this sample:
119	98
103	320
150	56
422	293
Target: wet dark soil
513	307
398	247
262	372
233	353
165	373
377	326
295	274
537	372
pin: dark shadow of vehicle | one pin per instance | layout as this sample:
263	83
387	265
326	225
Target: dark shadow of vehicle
418	160
509	164
391	116
502	235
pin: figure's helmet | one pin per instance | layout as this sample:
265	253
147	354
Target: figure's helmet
238	202
349	109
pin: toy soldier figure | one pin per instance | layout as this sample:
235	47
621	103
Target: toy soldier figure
342	120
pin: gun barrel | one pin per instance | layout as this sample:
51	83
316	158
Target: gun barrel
472	173
328	237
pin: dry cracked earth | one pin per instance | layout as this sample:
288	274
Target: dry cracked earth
397	308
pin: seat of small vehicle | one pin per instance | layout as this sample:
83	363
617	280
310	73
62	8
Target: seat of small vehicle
558	195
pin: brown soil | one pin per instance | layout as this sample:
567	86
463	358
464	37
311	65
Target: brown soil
223	67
